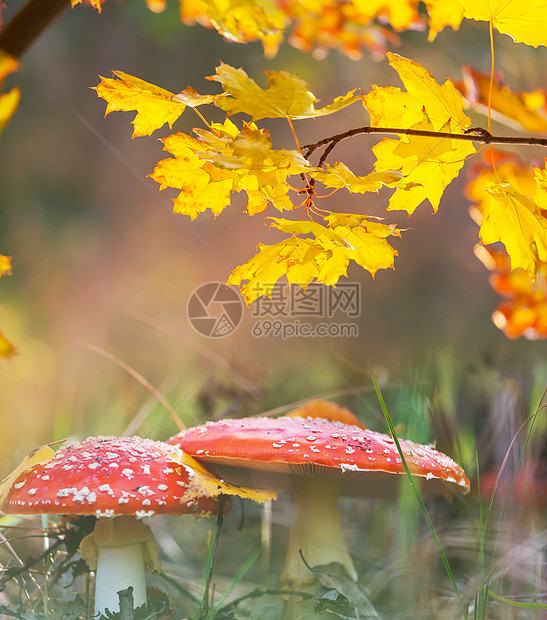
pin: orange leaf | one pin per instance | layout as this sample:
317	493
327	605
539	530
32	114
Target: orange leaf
516	109
524	312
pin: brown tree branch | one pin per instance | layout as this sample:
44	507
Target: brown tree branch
28	24
475	134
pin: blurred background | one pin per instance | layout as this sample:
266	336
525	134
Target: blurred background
100	259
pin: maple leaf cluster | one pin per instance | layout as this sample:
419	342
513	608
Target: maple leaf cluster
320	25
510	205
210	164
351	26
433	137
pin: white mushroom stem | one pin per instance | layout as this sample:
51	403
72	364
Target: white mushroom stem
316	530
117	569
119	550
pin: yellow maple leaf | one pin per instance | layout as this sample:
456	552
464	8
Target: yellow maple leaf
441	14
323	259
338	176
185	171
401	14
514	219
389	106
365	237
427	165
246	20
5	265
203	483
524	21
508	169
208	167
268	265
38	456
540	178
287	95
155	106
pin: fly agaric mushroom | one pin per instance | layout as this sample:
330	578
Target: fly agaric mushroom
323	459
119	480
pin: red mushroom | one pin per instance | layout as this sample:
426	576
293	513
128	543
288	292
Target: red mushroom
322	459
128	478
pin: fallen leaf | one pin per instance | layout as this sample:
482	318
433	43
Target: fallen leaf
38	456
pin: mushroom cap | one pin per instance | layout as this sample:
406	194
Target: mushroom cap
110	476
365	461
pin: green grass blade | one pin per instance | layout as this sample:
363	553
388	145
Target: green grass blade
419	499
240	574
508	601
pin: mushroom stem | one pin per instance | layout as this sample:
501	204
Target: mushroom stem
119	549
117	569
316	532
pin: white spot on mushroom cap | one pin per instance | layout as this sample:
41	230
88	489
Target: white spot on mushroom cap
349	467
145	490
142	514
108	512
82	494
106	488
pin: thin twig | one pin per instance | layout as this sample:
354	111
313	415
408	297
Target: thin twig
28	24
476	134
10	573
